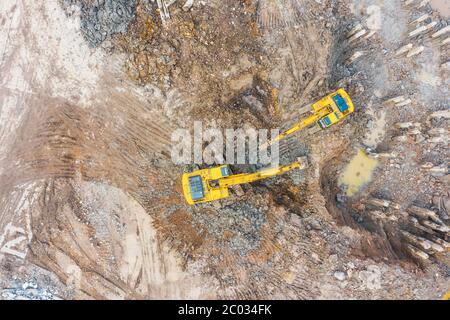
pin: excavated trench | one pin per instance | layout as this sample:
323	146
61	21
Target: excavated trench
379	242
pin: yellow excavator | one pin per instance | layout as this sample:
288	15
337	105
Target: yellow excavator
325	113
208	185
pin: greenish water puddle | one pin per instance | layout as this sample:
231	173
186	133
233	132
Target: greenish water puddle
358	173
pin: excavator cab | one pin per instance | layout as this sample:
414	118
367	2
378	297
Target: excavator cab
338	106
203	186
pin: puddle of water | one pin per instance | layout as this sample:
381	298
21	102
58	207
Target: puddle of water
358	173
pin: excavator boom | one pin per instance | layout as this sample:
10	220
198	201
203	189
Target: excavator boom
252	177
305	123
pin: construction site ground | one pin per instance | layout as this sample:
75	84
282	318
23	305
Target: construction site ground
91	205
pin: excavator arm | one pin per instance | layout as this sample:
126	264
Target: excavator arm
252	177
305	123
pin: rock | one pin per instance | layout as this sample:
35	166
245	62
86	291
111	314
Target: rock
441	114
400	138
435	226
254	103
103	19
404	125
314	224
315	256
379	202
341	198
404	49
340	275
442	203
295	219
419	138
415	252
424	214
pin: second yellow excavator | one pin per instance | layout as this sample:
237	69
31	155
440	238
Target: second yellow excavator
325	113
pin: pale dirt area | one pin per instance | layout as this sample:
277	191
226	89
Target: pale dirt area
91	204
51	83
442	6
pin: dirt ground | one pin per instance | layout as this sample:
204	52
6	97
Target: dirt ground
90	201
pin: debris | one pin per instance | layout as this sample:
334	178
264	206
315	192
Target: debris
340	275
404	49
422	29
404	125
357	35
415	51
420	19
378	202
435	226
354	57
424	213
438	171
399	101
82	125
441	32
103	19
441	114
417	253
188	5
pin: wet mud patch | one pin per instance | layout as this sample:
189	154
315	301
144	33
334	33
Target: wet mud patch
357	173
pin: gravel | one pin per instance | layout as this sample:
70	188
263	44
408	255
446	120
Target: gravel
105	18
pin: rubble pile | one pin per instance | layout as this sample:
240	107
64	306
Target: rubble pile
28	291
102	19
240	222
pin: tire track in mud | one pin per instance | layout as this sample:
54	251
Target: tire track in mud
55	145
60	140
57	140
276	14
